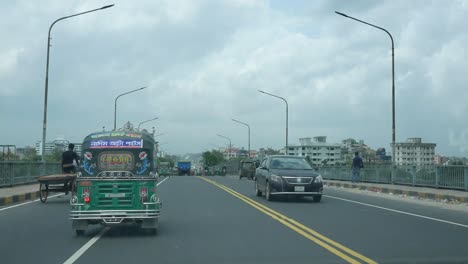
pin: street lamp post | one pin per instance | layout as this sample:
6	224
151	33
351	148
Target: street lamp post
230	146
115	104
393	78
248	130
46	89
286	148
146	122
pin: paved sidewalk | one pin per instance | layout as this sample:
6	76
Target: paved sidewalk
419	192
16	194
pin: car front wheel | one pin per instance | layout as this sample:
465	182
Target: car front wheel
268	192
317	198
257	191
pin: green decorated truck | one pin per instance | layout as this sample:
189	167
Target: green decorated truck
165	168
117	181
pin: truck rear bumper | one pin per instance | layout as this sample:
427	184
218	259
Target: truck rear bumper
114	216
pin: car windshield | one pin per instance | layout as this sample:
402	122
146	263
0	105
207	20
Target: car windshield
321	129
290	164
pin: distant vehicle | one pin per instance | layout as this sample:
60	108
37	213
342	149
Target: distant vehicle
287	175
184	167
165	169
247	169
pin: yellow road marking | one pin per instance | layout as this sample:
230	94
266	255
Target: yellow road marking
298	227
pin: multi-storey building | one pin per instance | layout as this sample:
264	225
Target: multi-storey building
319	151
414	152
59	143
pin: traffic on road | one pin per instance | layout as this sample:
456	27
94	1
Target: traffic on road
221	220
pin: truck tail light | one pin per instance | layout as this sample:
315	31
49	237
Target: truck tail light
86	195
143	194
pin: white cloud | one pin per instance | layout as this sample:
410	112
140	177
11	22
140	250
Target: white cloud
203	62
9	65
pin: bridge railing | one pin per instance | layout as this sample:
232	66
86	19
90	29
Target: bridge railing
21	172
450	177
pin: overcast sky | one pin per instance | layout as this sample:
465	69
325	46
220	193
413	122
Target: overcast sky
203	62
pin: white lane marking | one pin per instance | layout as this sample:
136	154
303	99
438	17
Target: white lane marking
162	181
16	205
398	211
93	240
86	246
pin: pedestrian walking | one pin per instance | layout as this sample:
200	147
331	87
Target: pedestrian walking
356	167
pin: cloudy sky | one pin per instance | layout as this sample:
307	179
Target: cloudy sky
203	62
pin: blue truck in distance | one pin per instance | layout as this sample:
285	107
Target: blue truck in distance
183	167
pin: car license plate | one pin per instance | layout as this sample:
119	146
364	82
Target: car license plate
114	195
299	188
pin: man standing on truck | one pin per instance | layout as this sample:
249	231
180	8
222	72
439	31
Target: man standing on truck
67	159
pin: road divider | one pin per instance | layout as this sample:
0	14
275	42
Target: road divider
33	201
334	247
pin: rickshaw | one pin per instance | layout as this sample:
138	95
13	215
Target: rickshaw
117	181
55	183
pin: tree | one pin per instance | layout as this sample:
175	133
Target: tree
55	156
271	151
212	158
31	155
8	156
455	162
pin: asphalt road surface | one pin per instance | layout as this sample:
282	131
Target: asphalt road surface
220	220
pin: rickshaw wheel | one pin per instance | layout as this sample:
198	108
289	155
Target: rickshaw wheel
74	188
79	232
43	192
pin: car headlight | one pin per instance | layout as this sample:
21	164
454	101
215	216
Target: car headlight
318	179
275	178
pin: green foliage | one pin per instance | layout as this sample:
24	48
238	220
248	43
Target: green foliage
212	158
56	156
8	156
270	151
31	155
456	162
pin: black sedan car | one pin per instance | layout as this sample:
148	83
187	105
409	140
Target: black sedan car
287	175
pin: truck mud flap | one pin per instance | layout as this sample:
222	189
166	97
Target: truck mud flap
150	223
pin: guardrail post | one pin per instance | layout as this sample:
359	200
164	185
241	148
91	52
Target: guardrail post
393	176
11	172
413	175
466	178
29	169
437	179
43	169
